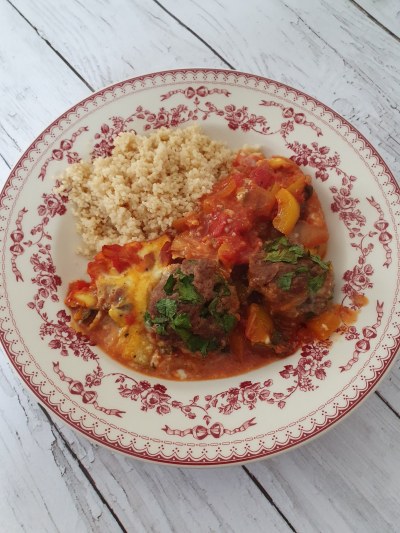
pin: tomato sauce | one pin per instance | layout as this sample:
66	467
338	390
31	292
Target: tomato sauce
261	200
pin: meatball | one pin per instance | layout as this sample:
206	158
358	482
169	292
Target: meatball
195	305
295	284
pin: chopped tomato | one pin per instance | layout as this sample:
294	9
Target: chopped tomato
98	266
81	294
262	175
313	212
183	223
235	250
188	246
78	285
130	318
260	202
122	257
246	161
308	235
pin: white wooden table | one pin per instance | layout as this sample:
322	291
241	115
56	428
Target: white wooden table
345	53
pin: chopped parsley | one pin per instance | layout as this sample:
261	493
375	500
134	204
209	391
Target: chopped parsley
225	320
318	260
281	250
284	282
221	287
228	322
183	284
166	307
181	320
169	285
315	283
196	343
301	269
180	288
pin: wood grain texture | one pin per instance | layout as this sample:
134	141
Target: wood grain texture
35	85
50	474
110	41
159	498
41	485
346	481
386	12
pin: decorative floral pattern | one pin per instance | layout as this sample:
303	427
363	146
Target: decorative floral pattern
87	396
309	366
217	430
314	362
316	157
364	345
347	206
191	92
64	149
381	225
64	338
291	119
53	204
17	249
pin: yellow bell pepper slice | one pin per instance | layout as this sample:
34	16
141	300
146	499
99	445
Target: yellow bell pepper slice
288	212
280	162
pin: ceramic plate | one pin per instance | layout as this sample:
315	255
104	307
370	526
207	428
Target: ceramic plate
220	421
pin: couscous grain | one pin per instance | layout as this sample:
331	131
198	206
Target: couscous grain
146	183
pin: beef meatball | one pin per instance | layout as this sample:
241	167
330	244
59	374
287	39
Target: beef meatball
295	284
195	305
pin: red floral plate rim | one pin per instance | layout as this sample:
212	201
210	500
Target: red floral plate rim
248	393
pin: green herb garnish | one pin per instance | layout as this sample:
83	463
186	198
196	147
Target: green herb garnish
284	282
318	260
169	285
187	291
181	289
166	307
183	285
221	288
283	251
225	320
228	322
316	283
147	319
181	320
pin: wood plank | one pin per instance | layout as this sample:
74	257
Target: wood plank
35	85
42	487
347	480
386	12
118	42
159	498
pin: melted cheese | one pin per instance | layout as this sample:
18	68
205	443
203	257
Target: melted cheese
125	295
